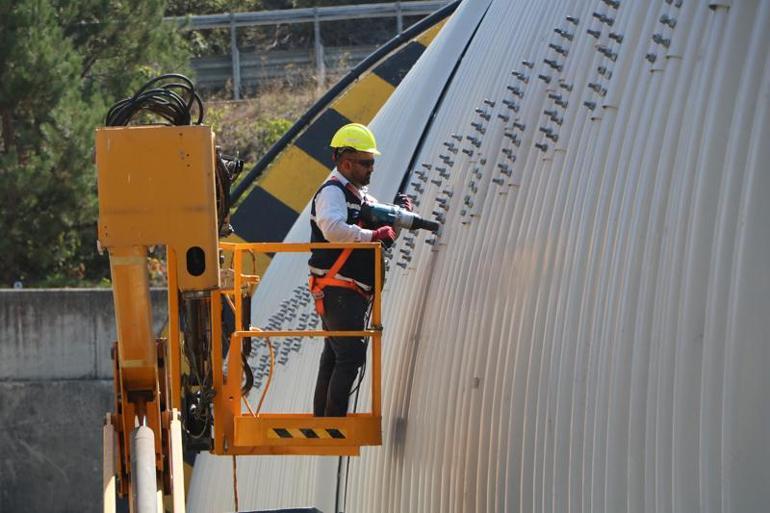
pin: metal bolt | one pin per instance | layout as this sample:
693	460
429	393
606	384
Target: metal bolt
563	33
659	39
597	88
521	76
511	105
668	20
483	114
558	49
553	64
479	127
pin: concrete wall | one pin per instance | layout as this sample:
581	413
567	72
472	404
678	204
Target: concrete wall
55	388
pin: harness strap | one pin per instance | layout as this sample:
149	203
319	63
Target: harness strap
318	283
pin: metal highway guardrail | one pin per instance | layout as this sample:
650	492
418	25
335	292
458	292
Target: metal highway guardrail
264	66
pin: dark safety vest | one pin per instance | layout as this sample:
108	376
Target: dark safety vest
360	264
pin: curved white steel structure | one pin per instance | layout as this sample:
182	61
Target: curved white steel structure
591	330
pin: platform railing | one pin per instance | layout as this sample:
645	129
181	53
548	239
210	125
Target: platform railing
249	432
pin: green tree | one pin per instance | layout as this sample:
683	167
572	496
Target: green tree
62	64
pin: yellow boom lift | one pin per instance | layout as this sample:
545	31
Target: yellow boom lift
168	186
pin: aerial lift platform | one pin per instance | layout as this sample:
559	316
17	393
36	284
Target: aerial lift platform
163	185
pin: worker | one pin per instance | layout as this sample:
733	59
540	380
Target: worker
342	281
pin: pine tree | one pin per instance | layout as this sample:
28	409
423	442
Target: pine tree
61	65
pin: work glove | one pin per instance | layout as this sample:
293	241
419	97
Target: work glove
384	234
404	201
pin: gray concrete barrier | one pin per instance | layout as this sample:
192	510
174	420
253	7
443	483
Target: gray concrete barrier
55	388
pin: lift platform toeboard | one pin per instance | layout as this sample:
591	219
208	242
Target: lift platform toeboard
307	430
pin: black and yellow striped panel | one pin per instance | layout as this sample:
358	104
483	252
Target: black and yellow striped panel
307	433
270	207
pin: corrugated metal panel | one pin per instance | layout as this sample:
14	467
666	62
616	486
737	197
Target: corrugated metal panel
590	331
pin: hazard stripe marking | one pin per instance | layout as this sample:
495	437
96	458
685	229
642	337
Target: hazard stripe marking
335	433
315	140
309	433
395	69
282	433
362	102
263	218
299	177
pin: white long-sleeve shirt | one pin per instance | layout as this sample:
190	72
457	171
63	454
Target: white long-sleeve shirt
331	213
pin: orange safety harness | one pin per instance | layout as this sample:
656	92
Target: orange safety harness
318	283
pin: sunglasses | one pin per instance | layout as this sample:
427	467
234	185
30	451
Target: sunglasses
364	162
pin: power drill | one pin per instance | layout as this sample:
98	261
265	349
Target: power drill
377	214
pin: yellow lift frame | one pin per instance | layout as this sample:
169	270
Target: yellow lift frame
157	187
253	432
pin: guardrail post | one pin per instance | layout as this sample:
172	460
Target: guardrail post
235	58
399	19
319	52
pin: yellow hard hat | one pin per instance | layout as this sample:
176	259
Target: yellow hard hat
356	136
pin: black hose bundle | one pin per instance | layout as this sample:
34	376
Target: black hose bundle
172	101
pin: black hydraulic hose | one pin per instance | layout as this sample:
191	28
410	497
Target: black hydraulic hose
330	95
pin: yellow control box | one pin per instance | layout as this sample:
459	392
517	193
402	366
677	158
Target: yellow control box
157	186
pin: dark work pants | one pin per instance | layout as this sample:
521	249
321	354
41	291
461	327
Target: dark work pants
342	356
